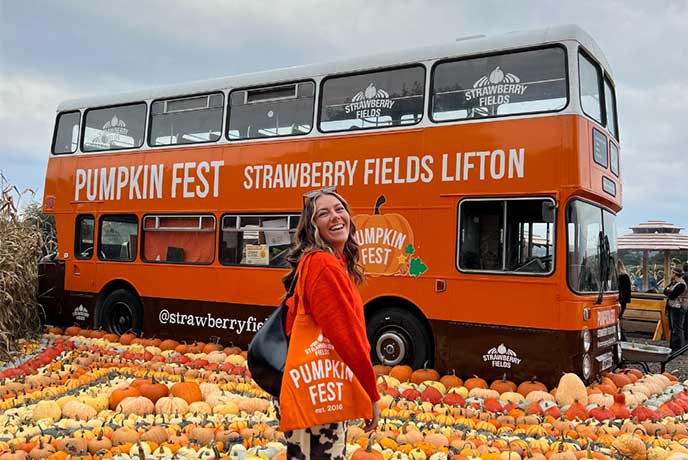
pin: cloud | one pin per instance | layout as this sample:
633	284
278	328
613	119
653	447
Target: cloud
51	51
27	112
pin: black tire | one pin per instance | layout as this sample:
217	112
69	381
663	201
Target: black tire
121	312
398	337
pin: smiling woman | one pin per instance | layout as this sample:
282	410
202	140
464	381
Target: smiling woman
326	325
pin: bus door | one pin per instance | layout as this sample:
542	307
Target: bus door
80	272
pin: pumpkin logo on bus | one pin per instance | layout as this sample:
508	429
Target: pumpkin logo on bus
386	242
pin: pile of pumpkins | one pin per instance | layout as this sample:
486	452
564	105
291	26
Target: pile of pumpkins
82	394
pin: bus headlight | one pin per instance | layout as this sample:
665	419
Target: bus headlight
587	340
587	366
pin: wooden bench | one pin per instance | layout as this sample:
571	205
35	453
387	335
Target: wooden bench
649	307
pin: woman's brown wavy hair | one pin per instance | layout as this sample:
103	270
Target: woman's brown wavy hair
308	239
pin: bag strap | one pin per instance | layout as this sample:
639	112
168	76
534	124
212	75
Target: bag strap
303	268
295	280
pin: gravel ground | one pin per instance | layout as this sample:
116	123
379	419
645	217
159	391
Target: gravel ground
678	367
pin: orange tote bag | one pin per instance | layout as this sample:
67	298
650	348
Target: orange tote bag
318	387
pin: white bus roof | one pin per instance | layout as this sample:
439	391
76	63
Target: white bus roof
460	48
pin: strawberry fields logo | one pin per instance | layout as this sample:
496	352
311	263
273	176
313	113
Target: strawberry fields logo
501	356
496	88
369	102
80	313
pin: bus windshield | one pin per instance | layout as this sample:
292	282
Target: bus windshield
591	236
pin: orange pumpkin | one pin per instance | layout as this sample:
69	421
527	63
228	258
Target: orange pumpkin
475	382
421	375
531	385
127	339
401	372
210	347
188	391
620	379
154	390
73	330
118	395
383	239
111	337
182	348
381	369
196	347
367	453
232	350
503	385
168	344
451	380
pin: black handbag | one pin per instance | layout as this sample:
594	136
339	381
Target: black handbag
267	352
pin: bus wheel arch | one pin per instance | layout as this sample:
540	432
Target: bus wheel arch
398	332
119	308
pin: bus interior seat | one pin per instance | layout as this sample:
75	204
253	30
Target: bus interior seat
174	254
124	253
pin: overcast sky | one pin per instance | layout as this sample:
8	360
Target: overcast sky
55	50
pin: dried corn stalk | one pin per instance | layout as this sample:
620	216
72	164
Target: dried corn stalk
24	238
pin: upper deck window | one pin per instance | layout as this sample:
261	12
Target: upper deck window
498	85
188	120
114	128
66	133
610	104
373	100
284	110
590	88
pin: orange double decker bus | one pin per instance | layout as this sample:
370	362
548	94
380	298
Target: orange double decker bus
483	176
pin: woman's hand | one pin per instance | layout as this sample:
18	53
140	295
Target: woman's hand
371	424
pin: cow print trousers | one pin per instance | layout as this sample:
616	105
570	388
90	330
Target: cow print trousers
323	442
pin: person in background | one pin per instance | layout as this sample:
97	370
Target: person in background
325	236
677	306
624	292
685	324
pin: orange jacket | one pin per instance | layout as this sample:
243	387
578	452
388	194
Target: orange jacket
332	299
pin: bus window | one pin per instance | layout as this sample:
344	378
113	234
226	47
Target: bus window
614	153
118	237
480	242
609	221
514	236
83	242
590	88
503	84
285	110
179	239
373	100
114	128
587	226
188	120
610	104
66	133
257	239
599	148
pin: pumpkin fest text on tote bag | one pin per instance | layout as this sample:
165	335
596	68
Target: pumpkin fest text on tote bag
318	387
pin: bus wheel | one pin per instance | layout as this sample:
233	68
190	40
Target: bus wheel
121	312
397	337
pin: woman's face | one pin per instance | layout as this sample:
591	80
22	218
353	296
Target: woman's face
332	221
